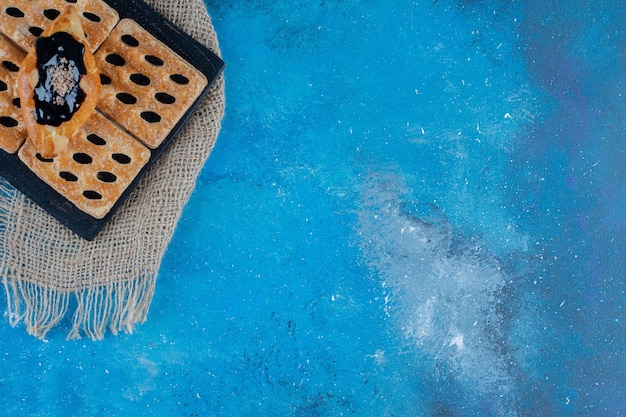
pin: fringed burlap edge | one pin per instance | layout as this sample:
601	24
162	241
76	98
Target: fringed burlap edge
117	306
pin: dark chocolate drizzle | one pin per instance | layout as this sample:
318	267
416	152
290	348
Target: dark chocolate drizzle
60	62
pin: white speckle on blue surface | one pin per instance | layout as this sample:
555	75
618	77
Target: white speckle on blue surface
413	208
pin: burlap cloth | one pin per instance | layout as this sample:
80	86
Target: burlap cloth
49	272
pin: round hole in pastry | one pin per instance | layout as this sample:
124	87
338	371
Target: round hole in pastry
10	66
92	16
68	176
151	117
96	140
7	121
154	60
130	40
35	30
105	79
17	102
140	79
179	79
51	13
3	86
42	159
105	176
82	158
92	195
14	12
165	98
126	98
115	59
121	158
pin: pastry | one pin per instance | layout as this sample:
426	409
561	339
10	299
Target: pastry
146	87
85	123
58	84
12	130
95	168
23	21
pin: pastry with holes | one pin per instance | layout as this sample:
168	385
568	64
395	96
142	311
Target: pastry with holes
12	130
23	21
58	84
146	87
95	169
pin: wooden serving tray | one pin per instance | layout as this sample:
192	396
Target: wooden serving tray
199	56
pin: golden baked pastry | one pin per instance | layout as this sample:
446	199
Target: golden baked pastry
58	84
23	21
83	123
146	87
12	130
96	167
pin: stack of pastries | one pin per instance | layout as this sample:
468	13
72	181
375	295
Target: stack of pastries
85	97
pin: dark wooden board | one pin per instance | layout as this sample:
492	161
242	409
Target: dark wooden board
22	178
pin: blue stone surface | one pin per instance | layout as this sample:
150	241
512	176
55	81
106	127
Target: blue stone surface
414	208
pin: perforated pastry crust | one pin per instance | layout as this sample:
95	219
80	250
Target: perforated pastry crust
23	21
95	168
12	130
146	87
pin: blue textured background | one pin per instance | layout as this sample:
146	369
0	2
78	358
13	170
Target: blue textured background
413	209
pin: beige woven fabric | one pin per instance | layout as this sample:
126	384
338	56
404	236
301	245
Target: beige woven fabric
48	272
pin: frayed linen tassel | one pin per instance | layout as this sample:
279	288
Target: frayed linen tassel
118	306
39	308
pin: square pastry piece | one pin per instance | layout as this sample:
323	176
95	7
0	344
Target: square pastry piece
94	169
23	21
12	130
146	87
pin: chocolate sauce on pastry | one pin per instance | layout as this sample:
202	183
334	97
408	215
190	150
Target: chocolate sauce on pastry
60	65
